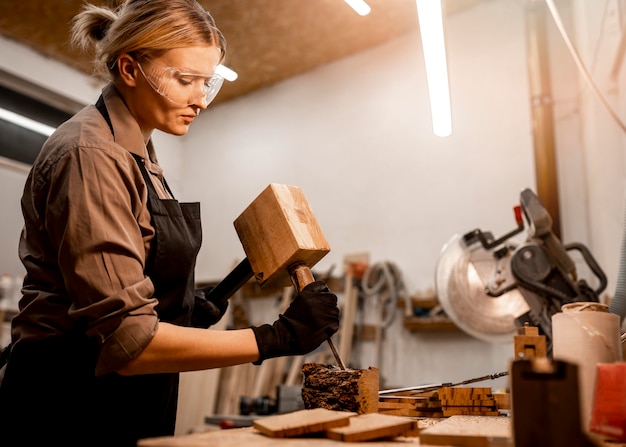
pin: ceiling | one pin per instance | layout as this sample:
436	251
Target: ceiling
267	40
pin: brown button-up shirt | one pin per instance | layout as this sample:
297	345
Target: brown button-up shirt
87	236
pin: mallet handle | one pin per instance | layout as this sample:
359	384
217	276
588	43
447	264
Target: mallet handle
301	276
233	282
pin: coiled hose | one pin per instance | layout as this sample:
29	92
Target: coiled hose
618	303
384	280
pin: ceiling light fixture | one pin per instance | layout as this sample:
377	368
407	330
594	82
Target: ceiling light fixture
359	6
430	18
26	123
226	73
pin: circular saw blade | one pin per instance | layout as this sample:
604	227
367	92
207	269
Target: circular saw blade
461	275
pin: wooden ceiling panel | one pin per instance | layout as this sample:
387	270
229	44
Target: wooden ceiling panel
267	40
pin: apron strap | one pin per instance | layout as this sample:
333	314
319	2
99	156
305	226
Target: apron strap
102	108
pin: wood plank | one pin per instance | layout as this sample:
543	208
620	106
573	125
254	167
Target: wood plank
468	402
467	411
302	422
370	426
413	413
468	431
452	393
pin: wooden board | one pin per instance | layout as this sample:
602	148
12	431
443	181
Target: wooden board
410	406
461	393
468	431
302	422
370	426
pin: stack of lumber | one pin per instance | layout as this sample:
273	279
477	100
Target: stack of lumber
458	401
411	405
444	402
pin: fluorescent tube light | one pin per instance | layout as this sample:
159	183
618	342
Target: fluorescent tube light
359	6
226	72
430	18
26	123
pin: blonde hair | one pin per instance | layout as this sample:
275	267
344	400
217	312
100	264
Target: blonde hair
142	28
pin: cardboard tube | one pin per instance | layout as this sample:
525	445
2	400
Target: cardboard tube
586	334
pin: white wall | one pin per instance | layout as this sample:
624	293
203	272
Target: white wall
356	136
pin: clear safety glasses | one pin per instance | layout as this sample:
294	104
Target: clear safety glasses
181	88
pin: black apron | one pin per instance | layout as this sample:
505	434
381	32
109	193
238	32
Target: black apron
54	394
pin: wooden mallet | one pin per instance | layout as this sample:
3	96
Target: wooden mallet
282	241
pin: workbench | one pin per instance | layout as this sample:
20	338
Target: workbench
469	431
495	429
248	436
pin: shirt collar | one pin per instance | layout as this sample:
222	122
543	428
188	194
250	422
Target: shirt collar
126	130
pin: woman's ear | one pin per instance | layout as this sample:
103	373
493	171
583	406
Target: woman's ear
127	68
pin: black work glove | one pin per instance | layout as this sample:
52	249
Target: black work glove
311	318
206	312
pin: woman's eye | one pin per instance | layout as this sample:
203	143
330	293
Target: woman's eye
185	81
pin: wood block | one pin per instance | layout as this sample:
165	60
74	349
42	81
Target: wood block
468	402
467	411
367	427
468	431
528	343
413	413
467	393
327	386
277	230
395	406
302	422
503	401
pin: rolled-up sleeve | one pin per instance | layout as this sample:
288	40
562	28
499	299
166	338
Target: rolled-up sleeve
98	220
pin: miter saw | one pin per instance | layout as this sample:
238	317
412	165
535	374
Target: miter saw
490	287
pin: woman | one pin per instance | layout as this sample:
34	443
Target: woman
109	315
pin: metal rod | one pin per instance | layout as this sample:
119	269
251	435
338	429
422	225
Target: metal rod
443	385
336	354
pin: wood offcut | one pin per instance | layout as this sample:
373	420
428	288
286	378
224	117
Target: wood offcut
327	386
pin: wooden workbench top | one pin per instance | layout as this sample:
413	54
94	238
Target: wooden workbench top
248	436
484	431
468	431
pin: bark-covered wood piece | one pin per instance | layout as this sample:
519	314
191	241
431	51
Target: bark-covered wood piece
327	386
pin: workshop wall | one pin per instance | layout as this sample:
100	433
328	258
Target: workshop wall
356	136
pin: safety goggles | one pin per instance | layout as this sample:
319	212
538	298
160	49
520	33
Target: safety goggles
182	88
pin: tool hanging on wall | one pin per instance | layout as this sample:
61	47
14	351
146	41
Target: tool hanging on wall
354	266
382	284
